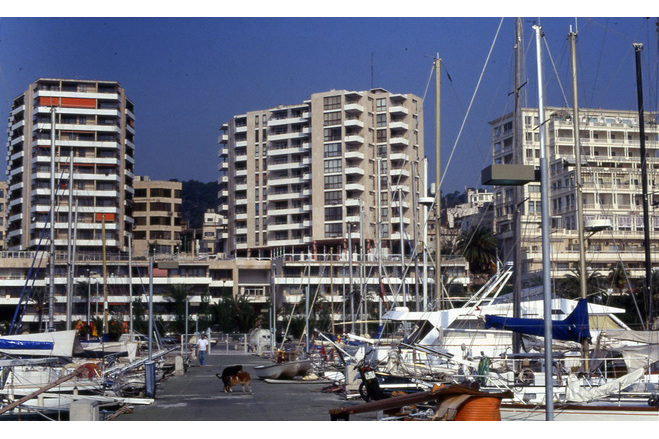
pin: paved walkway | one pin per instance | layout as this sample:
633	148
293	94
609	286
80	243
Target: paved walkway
198	396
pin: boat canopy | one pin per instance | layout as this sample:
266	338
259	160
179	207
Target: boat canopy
573	328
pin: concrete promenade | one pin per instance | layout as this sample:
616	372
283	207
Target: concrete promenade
197	396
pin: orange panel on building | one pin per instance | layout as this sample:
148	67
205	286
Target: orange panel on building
108	216
67	102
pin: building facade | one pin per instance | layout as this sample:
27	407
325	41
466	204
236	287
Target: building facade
157	215
93	136
612	190
314	169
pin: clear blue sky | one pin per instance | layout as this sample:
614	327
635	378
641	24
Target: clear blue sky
187	76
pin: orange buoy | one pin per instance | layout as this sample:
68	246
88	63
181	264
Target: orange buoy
480	408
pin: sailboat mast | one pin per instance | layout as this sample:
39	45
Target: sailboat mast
638	47
439	293
53	218
69	268
546	251
517	194
578	181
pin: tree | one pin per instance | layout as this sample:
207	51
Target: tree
617	277
40	299
479	248
569	286
234	314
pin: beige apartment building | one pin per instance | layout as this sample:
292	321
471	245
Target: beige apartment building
157	215
93	135
333	178
612	190
305	174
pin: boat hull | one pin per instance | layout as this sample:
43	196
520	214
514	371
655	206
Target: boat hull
286	370
579	412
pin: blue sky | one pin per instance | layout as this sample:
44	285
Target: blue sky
187	76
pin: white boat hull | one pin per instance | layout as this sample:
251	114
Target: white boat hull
579	412
286	370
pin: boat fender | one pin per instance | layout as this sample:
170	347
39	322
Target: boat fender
89	370
653	401
526	376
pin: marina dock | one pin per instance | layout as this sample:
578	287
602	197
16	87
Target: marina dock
198	396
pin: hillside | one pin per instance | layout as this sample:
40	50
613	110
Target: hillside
197	198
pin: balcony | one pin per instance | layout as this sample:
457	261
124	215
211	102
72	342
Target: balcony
399	157
353	123
353	108
354	139
354	171
354	155
398	141
398	109
398	126
354	187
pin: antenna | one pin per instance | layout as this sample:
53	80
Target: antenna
372	54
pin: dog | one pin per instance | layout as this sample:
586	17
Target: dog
227	374
242	378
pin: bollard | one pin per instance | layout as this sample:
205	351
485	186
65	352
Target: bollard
178	366
150	379
84	410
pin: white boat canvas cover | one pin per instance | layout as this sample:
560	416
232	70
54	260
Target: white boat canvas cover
44	344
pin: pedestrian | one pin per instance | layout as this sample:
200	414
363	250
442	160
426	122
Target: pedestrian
202	349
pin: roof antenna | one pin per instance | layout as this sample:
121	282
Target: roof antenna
372	53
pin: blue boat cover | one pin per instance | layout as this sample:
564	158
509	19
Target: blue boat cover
8	344
573	328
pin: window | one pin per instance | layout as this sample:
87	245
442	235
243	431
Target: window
333	213
333	165
333	118
333	181
332	150
334	197
381	104
382	120
333	230
332	102
332	134
381	136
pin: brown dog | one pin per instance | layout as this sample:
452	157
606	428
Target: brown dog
241	378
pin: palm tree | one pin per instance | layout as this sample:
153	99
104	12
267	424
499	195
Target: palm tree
40	299
617	277
479	248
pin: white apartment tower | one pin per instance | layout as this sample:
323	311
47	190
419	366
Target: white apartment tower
304	177
95	122
612	190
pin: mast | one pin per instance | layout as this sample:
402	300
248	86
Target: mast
51	274
69	257
638	47
130	284
583	276
546	251
517	193
439	293
415	219
105	282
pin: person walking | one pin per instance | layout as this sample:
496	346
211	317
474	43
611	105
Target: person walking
202	349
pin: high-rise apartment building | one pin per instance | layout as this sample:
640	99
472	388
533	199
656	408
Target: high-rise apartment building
94	126
305	176
157	215
612	190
